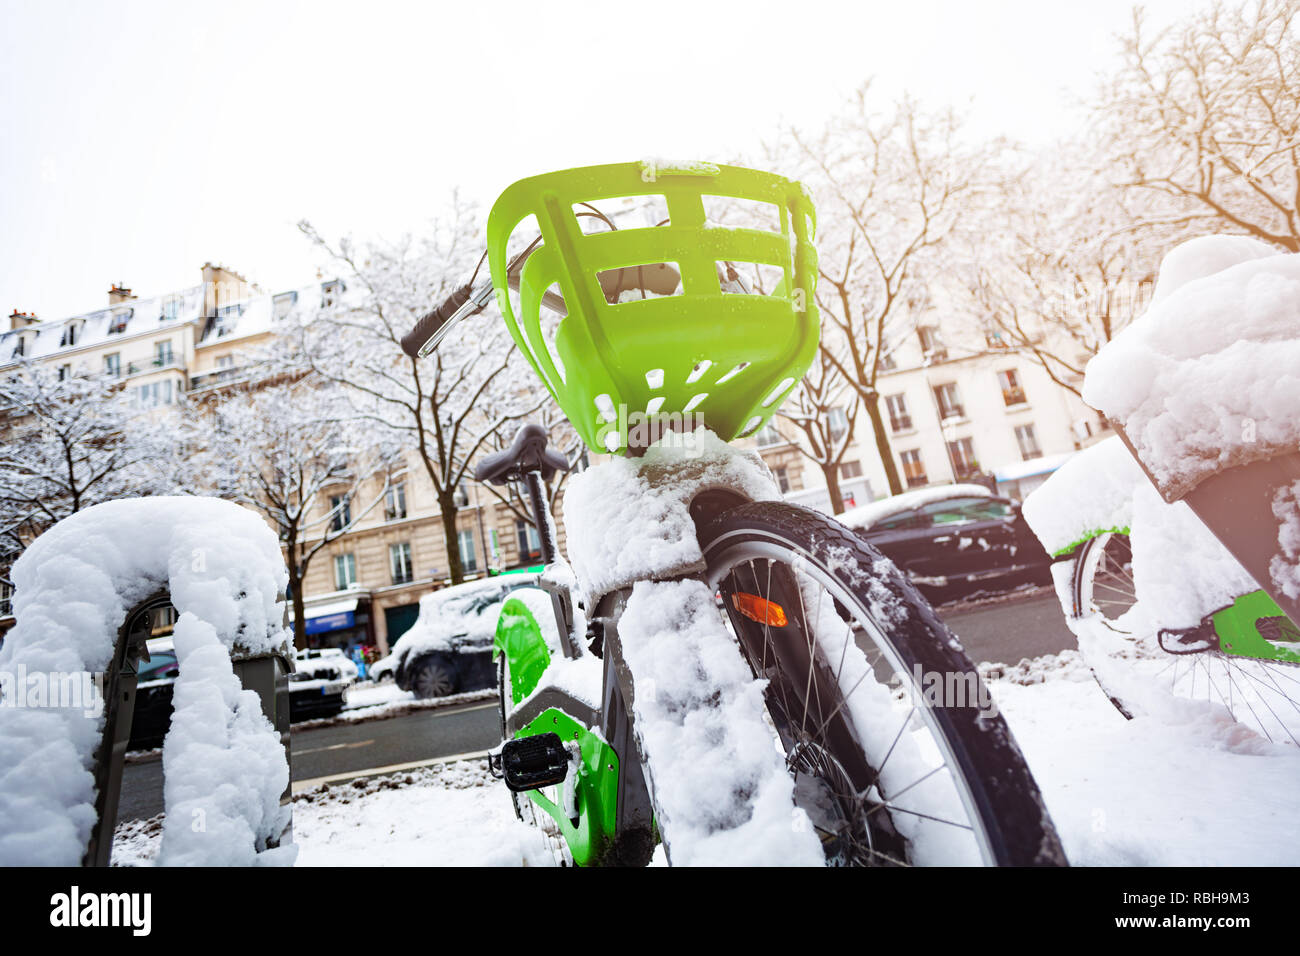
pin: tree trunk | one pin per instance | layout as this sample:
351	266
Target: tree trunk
883	448
295	589
299	612
832	475
447	505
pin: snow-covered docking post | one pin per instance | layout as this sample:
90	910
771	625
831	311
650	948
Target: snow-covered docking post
83	593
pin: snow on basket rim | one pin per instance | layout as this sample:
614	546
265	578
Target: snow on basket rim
74	586
1206	378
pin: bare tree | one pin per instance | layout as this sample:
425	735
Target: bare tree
291	453
825	408
1052	265
72	441
1205	117
890	189
450	406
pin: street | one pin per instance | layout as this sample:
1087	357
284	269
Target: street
1006	630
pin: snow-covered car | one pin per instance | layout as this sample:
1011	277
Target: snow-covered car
318	687
448	650
312	693
954	541
327	662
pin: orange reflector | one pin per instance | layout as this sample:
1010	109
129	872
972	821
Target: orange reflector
759	609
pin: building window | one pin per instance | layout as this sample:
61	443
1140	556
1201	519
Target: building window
226	361
64	372
839	423
963	457
330	292
152	395
340	511
949	400
6	599
1028	442
395	502
886	362
71	332
283	304
782	480
768	436
900	420
113	365
930	345
1012	393
345	571
913	468
993	339
162	353
171	309
850	469
119	320
530	543
468	559
399	560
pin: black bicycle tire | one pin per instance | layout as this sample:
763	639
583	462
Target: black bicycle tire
1002	788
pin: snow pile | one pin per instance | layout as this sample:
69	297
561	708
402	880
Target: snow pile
73	588
1090	493
1209	377
628	519
1284	568
721	792
1153	791
1180	570
864	516
450	814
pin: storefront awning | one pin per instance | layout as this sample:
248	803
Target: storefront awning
333	616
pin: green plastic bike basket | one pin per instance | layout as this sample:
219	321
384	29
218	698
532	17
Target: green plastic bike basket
721	359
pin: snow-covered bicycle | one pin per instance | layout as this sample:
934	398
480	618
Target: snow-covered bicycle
744	680
1176	540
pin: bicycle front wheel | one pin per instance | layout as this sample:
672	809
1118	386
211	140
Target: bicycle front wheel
898	753
1141	671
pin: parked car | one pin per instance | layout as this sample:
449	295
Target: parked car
448	650
319	685
954	541
317	689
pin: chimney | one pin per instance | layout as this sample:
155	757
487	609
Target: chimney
20	320
119	294
222	286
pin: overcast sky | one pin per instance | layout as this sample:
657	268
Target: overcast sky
141	139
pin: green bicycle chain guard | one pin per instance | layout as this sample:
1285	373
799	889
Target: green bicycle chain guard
720	359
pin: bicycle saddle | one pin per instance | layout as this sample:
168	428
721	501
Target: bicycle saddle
527	452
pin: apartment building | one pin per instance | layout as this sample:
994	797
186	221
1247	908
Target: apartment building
958	407
365	585
191	345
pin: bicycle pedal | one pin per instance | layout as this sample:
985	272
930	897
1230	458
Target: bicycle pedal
528	763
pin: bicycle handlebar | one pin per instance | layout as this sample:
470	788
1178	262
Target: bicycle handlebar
433	326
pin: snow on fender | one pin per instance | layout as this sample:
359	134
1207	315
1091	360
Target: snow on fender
224	766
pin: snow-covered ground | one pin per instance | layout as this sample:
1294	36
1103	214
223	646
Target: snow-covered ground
1126	793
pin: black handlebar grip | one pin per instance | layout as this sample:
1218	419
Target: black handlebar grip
431	322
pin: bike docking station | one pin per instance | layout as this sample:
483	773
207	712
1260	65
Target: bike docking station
210	575
265	674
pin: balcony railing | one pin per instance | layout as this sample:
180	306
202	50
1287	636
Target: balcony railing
218	377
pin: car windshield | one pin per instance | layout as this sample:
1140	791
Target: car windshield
957	510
